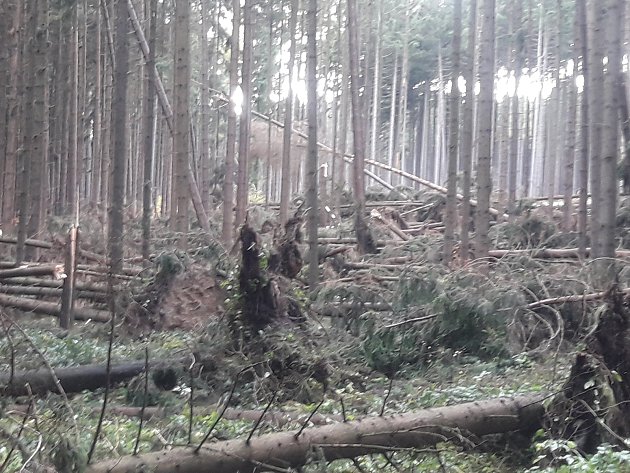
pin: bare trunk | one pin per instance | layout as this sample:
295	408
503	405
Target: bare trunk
242	195
484	120
312	168
228	183
613	30
148	113
119	139
181	141
453	137
467	134
285	183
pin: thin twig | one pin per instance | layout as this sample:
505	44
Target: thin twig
112	328
389	391
308	419
273	398
225	406
16	440
412	321
191	398
144	398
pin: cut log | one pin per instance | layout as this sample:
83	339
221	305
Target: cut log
29	242
50	292
73	380
53	270
50	308
54	283
343	440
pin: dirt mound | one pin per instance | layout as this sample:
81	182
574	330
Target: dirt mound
178	298
194	297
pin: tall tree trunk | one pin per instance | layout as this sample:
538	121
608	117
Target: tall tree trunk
517	45
148	114
581	48
312	161
358	128
404	91
613	29
204	129
39	142
73	124
242	195
228	182
97	131
376	88
181	135
484	120
595	42
391	148
467	133
571	154
453	136
285	183
14	12
119	138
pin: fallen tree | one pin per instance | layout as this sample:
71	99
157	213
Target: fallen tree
52	308
21	290
343	440
53	270
73	380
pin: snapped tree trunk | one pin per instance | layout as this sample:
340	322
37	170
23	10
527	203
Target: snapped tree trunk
342	440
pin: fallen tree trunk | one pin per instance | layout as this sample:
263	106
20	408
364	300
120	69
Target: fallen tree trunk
54	283
550	253
29	242
343	440
51	308
53	270
50	292
73	380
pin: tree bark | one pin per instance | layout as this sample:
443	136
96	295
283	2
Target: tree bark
148	116
181	132
119	139
467	134
484	120
73	380
242	190
312	168
595	57
285	182
230	146
613	29
343	440
453	137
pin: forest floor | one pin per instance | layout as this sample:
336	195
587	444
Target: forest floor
438	336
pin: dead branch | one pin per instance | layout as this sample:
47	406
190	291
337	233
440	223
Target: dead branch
572	298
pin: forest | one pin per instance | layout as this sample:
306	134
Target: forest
314	235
